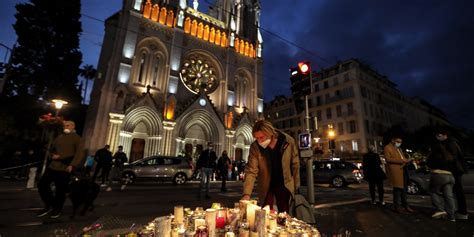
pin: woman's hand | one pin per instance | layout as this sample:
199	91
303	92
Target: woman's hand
245	197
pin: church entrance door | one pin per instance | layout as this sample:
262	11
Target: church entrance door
138	149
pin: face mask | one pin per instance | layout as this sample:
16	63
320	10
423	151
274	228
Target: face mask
398	144
67	131
265	143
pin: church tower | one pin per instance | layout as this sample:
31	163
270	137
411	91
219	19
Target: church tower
172	78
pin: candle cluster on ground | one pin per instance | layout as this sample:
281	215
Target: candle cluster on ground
245	219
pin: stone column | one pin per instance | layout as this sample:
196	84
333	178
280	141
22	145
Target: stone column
229	142
168	141
113	131
126	141
245	153
152	146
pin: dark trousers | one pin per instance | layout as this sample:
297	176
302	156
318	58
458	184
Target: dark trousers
458	190
105	170
282	196
224	179
379	184
61	182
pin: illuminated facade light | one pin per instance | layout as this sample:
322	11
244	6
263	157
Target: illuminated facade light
124	73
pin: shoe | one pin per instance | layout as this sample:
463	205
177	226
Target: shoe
409	210
103	185
460	216
43	212
122	187
55	214
439	214
452	219
373	202
382	203
108	189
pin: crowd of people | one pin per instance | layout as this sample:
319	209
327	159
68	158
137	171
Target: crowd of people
273	161
446	164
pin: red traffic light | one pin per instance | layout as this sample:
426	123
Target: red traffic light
304	67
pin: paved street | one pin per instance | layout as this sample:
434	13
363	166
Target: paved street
340	212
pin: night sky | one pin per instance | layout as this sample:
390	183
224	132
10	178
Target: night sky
425	47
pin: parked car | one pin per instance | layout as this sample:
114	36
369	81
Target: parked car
177	169
337	173
419	180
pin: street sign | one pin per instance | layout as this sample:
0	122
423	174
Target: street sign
306	153
304	141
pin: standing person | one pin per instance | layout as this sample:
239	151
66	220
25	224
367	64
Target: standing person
206	164
89	164
67	155
397	173
374	174
223	168
103	157
273	160
118	161
441	164
459	168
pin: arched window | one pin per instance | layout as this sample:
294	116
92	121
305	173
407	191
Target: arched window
119	102
200	30
241	85
206	33
187	25
141	72
156	70
162	19
155	12
218	37
170	19
212	35
194	27
147	10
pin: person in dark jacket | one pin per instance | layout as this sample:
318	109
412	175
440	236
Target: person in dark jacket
223	168
452	150
67	155
103	157
206	164
374	174
441	181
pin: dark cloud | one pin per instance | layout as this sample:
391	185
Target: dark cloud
425	47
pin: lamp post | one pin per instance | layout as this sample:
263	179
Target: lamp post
58	104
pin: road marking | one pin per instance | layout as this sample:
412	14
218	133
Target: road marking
334	204
34	223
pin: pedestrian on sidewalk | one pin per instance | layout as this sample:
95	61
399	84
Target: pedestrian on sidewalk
206	164
452	150
397	173
103	157
274	161
223	169
441	163
374	174
67	155
118	161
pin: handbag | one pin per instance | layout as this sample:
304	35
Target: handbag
302	209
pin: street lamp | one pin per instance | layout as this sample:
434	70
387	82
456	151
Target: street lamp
58	104
331	135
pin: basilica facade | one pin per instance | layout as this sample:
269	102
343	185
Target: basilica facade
172	78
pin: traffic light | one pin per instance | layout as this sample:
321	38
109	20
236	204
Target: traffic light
296	89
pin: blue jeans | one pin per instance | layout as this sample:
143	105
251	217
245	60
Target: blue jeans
206	175
441	190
